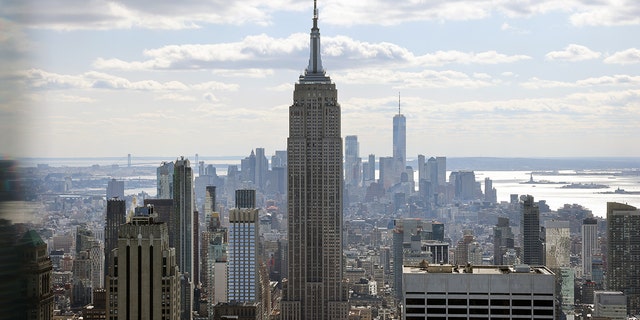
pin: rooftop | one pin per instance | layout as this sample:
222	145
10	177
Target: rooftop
482	269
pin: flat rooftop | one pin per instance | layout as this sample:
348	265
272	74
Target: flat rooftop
481	269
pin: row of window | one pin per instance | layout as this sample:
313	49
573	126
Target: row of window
480	311
477	302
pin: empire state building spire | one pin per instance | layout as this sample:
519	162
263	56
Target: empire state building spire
314	72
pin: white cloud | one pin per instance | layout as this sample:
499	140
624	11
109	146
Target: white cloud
284	87
175	97
507	27
573	52
629	56
247	57
210	97
162	14
253	73
216	85
165	14
43	80
421	79
616	80
74	99
607	13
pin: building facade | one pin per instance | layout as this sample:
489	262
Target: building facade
478	292
315	288
143	280
530	231
589	232
182	228
352	161
400	138
623	253
115	216
243	280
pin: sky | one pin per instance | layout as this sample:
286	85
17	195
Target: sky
487	78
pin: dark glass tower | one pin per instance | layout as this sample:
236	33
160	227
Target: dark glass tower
315	288
530	224
623	252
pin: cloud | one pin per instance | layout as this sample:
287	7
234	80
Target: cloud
573	52
74	99
616	80
607	13
629	56
161	14
249	56
43	80
166	14
175	97
421	79
244	73
507	27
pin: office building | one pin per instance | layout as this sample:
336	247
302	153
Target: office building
115	189
352	161
369	173
115	216
422	173
478	292
315	288
261	169
464	184
243	280
442	171
400	138
389	174
164	176
589	232
557	243
503	240
530	231
245	199
143	280
35	295
610	305
623	253
490	193
182	225
164	211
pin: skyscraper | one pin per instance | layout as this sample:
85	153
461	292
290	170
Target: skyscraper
164	174
182	227
116	213
244	280
261	169
502	240
589	245
530	226
143	281
352	161
623	253
115	189
315	288
400	137
557	243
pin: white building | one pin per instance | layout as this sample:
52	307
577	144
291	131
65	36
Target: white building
478	292
557	243
244	279
610	304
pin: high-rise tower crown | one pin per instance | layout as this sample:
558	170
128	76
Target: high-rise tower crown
314	71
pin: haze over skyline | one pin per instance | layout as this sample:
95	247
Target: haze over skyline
477	78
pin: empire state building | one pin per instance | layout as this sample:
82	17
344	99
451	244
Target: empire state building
315	288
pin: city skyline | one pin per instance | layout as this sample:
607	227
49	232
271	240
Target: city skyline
498	79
